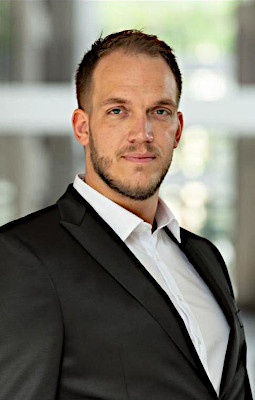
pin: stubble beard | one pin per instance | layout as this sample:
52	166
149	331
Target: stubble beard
102	166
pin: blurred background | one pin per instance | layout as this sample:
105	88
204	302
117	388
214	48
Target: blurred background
211	186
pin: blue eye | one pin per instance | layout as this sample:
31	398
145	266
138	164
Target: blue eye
161	112
115	111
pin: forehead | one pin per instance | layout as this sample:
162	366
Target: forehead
133	73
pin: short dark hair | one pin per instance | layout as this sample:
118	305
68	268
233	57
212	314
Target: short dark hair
130	41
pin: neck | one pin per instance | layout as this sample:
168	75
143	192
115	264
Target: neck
145	209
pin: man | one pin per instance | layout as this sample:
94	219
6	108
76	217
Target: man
102	295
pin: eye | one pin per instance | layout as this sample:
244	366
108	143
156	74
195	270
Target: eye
162	111
115	111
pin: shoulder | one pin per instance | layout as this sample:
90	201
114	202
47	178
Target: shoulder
40	217
22	239
39	225
200	243
41	236
18	237
188	235
196	244
196	240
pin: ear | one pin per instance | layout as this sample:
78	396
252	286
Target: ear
179	129
80	122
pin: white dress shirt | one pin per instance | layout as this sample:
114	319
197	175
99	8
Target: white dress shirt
163	259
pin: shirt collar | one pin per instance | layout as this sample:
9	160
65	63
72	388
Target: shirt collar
122	221
165	217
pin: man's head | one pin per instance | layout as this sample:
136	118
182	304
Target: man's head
128	119
130	42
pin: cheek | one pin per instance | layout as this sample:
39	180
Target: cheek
105	145
166	138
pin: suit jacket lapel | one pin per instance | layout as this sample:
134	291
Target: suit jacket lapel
210	269
111	253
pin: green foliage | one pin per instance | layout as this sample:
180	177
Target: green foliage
183	24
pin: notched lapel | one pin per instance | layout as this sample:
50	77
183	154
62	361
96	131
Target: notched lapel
202	257
83	223
207	262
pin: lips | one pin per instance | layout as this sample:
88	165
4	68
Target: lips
139	158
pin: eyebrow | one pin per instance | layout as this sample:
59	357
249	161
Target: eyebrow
114	100
120	100
166	102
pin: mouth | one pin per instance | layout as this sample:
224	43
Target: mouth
139	158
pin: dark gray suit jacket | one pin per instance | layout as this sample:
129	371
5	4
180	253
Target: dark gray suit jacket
80	317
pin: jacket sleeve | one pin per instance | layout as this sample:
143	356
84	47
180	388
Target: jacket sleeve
31	331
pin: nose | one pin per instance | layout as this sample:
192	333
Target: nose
141	130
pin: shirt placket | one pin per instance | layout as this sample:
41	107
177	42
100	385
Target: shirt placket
178	300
